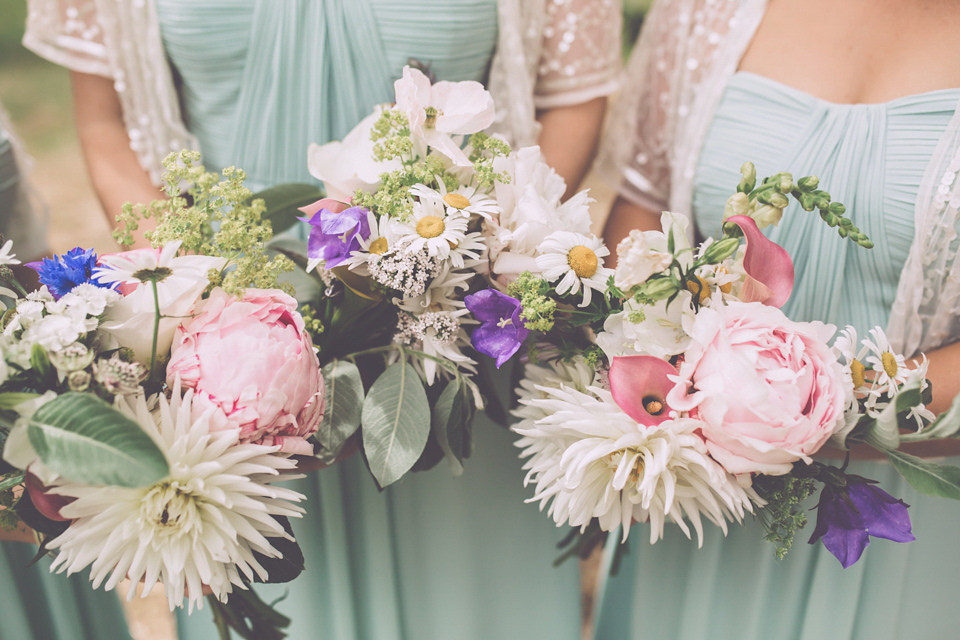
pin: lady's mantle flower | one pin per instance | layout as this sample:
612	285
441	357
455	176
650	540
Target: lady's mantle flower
847	517
501	331
62	273
575	260
198	526
335	236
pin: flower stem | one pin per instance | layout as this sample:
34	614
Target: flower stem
156	331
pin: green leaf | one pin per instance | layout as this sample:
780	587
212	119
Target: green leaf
927	477
39	361
450	423
396	422
86	440
283	201
10	399
344	402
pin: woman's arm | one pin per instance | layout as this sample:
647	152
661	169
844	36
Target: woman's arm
626	216
113	166
568	139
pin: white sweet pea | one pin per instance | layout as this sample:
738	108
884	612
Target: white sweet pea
347	165
129	321
640	255
437	112
660	329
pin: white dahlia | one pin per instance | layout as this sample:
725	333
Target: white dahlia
588	459
199	526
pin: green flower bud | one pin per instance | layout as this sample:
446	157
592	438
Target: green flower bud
837	209
737	205
767	215
808	183
658	288
721	250
748	177
786	182
807	202
774	198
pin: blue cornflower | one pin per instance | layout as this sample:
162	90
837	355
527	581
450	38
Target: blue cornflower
62	273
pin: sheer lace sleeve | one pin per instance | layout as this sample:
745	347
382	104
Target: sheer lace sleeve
68	33
580	57
120	40
686	53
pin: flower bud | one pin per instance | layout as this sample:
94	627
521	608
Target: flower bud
658	288
721	250
837	208
808	183
737	205
767	215
79	380
807	202
786	182
748	177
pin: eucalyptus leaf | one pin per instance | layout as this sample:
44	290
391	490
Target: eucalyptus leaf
344	403
927	477
946	425
283	202
450	422
396	422
86	440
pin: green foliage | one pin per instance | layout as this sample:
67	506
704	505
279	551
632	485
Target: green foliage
783	515
225	205
87	441
927	477
396	422
450	423
344	397
537	307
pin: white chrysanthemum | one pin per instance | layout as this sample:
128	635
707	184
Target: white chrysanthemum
576	260
432	229
5	256
588	460
199	526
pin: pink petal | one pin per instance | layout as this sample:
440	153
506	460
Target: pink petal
325	203
767	263
636	380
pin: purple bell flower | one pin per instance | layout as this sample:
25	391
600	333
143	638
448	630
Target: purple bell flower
64	272
501	330
335	236
848	516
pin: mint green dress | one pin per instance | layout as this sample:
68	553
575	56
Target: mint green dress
871	157
432	557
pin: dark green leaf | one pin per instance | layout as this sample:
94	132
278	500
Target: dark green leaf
396	422
450	423
927	477
290	563
11	399
39	361
86	440
283	201
344	402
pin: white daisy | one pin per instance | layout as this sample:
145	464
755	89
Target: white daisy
432	229
5	256
590	460
575	260
889	368
199	526
382	240
465	200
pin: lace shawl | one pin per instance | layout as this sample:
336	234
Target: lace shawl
549	53
687	52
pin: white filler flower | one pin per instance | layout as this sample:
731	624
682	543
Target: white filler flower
199	526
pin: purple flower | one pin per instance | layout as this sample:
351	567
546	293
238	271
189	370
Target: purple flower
62	273
501	331
334	235
848	516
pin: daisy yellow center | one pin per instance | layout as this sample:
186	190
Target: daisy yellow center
722	271
856	372
379	246
456	200
430	226
699	287
889	363
168	506
583	261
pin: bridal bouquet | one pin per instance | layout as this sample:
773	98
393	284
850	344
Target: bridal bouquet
679	391
422	209
151	399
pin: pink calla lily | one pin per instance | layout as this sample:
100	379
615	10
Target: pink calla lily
637	382
330	204
768	266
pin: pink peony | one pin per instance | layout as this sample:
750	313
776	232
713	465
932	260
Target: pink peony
252	362
768	391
